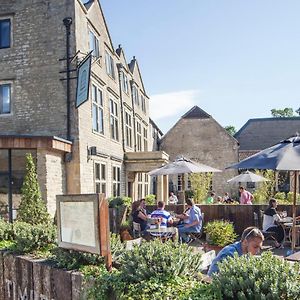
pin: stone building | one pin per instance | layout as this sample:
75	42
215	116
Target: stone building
199	137
101	146
261	133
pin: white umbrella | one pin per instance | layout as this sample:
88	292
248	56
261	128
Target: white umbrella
182	165
247	177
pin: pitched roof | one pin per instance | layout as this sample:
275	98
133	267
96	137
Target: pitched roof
196	113
88	4
258	134
134	65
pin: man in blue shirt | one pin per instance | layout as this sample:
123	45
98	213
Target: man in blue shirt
251	242
193	221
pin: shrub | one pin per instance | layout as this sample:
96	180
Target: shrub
265	189
32	208
290	197
280	196
30	237
200	184
150	199
257	277
220	232
6	232
117	248
119	201
160	260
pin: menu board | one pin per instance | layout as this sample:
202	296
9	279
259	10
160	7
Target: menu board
77	223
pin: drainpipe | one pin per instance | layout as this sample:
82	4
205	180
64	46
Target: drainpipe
67	22
120	67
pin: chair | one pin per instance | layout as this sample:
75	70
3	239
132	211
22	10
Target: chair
267	234
130	244
136	229
194	236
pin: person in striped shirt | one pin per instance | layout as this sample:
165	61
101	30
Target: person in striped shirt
164	216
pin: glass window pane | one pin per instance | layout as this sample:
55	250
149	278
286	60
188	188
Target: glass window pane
97	171
95	118
98	188
4	33
103	172
103	188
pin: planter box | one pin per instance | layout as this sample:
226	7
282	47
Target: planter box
25	278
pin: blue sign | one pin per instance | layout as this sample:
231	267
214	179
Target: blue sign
83	81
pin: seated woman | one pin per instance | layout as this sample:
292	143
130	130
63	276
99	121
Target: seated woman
269	222
138	215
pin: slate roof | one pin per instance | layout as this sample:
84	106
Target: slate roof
258	134
196	113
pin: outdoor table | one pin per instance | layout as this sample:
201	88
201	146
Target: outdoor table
288	227
294	257
284	223
164	232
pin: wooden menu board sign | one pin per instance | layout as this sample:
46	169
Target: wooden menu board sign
83	224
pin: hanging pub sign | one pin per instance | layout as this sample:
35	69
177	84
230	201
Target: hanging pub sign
83	224
83	80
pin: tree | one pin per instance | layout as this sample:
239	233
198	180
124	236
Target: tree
230	129
282	113
200	184
32	208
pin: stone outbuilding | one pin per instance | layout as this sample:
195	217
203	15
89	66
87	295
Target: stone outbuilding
199	137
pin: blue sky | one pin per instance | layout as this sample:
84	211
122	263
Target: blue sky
235	59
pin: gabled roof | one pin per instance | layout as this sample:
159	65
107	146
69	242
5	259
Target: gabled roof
258	134
196	113
121	54
133	65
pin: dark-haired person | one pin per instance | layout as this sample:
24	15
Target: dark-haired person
250	243
138	214
162	214
271	217
192	221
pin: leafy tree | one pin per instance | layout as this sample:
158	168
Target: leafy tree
266	189
230	129
200	184
32	208
282	113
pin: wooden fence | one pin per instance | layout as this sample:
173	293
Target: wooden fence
24	278
241	216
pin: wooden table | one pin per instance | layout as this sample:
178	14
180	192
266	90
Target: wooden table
294	257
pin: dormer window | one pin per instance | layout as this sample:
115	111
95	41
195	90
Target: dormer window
94	44
110	67
5	29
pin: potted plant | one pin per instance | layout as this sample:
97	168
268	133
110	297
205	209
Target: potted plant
219	233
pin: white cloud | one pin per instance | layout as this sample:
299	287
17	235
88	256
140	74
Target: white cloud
170	104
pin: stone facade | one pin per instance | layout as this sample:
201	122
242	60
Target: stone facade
32	66
199	137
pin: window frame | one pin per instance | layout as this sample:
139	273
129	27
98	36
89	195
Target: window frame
101	181
2	84
96	44
110	65
3	19
138	136
99	108
124	82
116	181
145	138
128	129
114	119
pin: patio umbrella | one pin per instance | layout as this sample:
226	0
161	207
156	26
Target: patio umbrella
247	177
284	156
182	165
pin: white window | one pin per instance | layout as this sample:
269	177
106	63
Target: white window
124	82
143	102
114	120
128	129
110	67
100	178
116	181
97	110
140	185
135	95
146	184
94	44
138	136
145	131
5	33
5	99
179	183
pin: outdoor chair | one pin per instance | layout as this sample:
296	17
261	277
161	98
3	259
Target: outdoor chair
268	235
130	244
136	230
196	236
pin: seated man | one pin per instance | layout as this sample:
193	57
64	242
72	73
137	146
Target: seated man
173	198
193	221
162	214
251	242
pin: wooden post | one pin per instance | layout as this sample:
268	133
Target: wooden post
104	234
294	211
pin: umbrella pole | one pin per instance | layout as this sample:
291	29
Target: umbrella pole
183	190
294	211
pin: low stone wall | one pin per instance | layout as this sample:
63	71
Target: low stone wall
23	278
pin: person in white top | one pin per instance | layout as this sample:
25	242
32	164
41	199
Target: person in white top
173	198
271	217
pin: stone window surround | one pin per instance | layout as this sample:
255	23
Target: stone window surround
128	129
110	64
124	78
145	138
96	36
138	136
114	118
4	82
8	17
